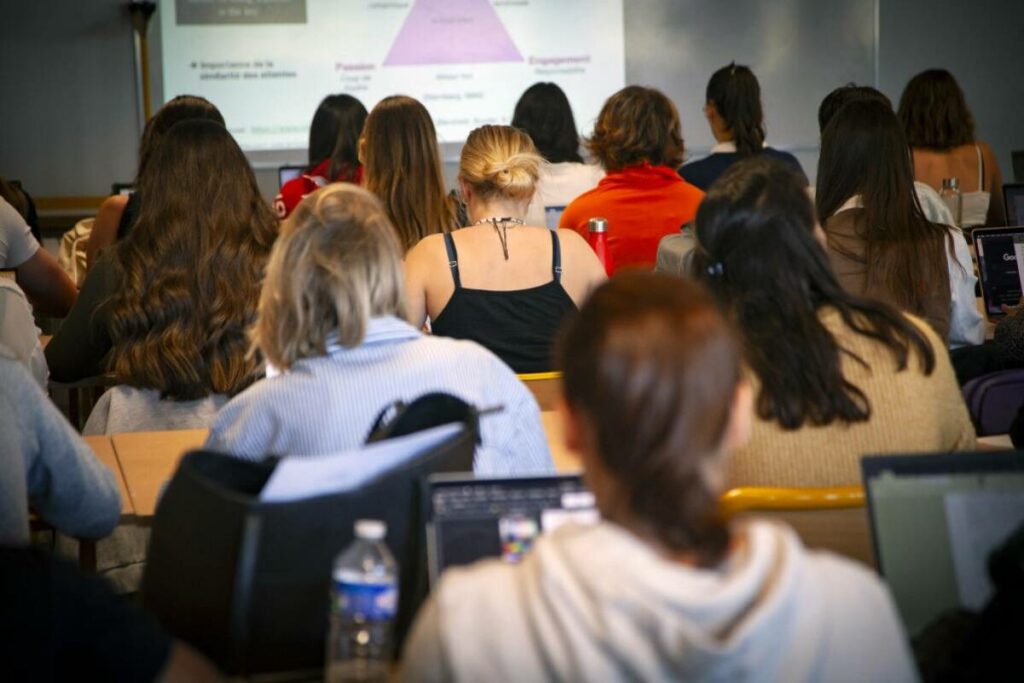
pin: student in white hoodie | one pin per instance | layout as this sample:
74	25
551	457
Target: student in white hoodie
662	589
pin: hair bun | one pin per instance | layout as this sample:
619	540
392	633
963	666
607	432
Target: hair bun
500	160
516	176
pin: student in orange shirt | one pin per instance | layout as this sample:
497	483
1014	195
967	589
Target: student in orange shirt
638	140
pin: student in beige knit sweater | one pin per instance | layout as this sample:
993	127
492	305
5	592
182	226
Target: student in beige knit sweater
836	376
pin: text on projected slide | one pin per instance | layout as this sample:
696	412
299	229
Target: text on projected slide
267	63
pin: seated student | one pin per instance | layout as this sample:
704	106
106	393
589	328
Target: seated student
879	242
45	465
64	625
662	589
331	318
733	110
835	375
543	112
166	310
48	288
639	142
18	331
940	130
500	282
118	212
966	325
333	151
399	151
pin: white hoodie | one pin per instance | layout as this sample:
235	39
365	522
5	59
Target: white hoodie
598	604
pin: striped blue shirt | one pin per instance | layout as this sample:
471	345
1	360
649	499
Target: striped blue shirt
328	404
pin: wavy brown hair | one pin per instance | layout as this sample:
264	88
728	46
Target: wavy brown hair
654	353
934	112
177	109
637	125
189	272
403	168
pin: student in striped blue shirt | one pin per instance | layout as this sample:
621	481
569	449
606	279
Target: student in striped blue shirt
331	326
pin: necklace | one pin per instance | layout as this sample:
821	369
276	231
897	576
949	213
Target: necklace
504	222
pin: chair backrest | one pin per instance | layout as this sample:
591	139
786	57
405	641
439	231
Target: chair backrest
994	399
247	582
833	519
544	386
1017	157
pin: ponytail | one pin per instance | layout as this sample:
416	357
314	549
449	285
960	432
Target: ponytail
735	92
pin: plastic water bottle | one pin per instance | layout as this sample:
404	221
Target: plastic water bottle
950	194
598	228
364	600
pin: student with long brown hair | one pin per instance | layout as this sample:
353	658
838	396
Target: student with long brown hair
940	129
501	282
836	375
403	168
638	140
118	212
166	311
879	241
662	588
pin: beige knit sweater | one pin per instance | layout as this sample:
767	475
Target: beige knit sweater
910	412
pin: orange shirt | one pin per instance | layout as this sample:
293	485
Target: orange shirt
642	204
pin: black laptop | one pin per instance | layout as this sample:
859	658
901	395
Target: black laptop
473	519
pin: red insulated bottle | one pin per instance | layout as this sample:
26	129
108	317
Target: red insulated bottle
598	228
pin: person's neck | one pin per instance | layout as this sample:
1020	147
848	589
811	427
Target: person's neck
496	208
721	135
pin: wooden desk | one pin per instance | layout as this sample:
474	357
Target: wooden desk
148	459
145	461
104	450
565	460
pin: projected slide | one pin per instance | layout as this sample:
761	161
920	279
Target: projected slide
267	63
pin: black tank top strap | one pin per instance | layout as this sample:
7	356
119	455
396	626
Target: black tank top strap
556	256
453	259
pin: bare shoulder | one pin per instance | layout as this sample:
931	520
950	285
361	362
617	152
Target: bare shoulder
426	250
114	203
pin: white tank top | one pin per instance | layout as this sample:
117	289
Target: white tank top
974	205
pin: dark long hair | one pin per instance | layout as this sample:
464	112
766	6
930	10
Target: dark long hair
544	113
652	367
934	112
759	256
334	134
864	152
189	272
736	94
843	95
180	108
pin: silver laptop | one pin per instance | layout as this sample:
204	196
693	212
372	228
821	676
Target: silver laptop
935	519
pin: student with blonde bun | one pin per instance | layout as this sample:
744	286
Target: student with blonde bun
500	282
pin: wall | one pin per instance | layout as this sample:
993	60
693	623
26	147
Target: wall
69	118
68	113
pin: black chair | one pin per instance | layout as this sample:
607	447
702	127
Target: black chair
247	582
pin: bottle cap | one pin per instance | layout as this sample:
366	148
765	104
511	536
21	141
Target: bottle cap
598	225
950	183
371	529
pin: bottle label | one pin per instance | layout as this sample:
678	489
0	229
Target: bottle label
370	601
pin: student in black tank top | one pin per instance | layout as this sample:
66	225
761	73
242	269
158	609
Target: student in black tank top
499	294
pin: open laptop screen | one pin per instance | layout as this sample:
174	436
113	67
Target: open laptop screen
286	173
1013	197
999	251
473	519
935	519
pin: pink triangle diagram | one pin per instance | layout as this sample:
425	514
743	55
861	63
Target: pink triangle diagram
452	32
